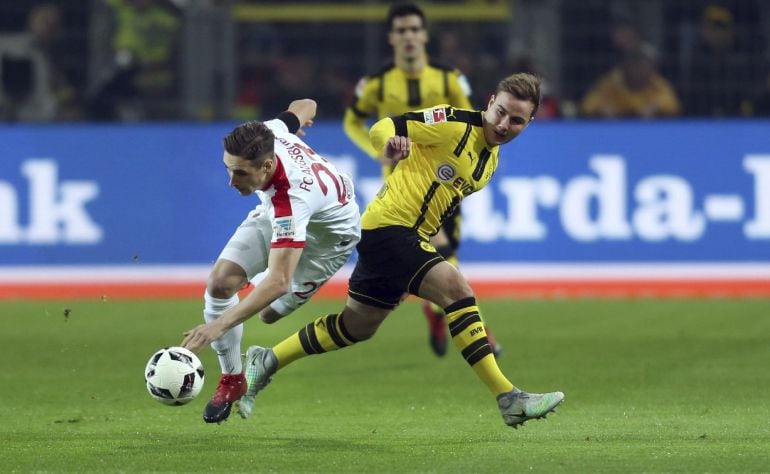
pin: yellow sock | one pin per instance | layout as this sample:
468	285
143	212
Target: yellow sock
326	333
468	334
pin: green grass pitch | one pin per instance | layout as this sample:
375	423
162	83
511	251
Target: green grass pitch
651	386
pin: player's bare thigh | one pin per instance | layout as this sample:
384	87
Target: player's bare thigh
225	279
362	320
444	284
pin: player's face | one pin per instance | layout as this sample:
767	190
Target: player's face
244	176
505	118
408	37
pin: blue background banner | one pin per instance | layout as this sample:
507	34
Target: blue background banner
644	192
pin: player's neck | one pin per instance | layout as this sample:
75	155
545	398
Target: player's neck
412	65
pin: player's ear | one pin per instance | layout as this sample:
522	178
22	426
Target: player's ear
491	100
269	164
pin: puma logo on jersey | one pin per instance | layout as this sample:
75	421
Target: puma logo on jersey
435	115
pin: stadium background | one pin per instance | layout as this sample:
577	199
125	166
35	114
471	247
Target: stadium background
114	203
111	183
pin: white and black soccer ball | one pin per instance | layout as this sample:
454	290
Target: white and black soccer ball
174	376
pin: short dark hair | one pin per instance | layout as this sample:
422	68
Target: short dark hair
405	9
252	141
523	86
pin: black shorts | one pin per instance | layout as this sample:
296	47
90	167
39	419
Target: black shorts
392	261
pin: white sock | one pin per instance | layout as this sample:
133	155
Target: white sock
227	347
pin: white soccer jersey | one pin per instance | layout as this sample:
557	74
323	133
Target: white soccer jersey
306	197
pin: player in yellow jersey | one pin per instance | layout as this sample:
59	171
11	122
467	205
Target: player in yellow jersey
443	155
412	81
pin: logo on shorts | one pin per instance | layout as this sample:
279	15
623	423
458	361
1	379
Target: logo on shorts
283	227
435	115
445	172
427	247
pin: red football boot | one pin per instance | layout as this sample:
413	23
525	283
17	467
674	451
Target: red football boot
231	388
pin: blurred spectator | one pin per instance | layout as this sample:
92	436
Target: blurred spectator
258	46
717	79
142	83
452	49
625	37
632	89
293	76
33	87
550	108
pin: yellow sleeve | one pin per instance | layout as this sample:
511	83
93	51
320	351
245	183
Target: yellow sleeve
459	91
380	132
412	125
354	122
355	129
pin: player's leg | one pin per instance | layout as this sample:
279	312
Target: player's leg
244	256
320	261
222	286
356	323
434	314
447	243
445	286
375	288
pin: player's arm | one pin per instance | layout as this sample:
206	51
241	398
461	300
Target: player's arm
410	125
354	122
300	113
282	262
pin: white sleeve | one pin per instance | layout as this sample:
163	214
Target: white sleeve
278	127
290	230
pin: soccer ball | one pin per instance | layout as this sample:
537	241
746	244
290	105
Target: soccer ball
174	376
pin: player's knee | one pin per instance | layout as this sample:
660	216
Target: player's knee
457	289
269	316
224	286
363	333
359	325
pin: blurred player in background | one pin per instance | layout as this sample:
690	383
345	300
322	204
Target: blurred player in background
302	233
443	154
412	81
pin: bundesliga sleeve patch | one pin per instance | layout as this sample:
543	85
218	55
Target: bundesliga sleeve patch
435	115
283	227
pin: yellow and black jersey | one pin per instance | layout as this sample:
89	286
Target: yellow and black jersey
449	159
393	92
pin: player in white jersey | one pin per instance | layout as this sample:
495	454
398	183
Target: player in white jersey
302	233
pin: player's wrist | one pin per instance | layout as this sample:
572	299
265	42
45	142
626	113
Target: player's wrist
290	119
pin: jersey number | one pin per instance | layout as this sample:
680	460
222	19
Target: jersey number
339	185
311	285
319	169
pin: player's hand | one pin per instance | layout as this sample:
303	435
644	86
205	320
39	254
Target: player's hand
397	148
201	336
308	123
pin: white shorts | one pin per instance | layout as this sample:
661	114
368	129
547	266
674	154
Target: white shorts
249	247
